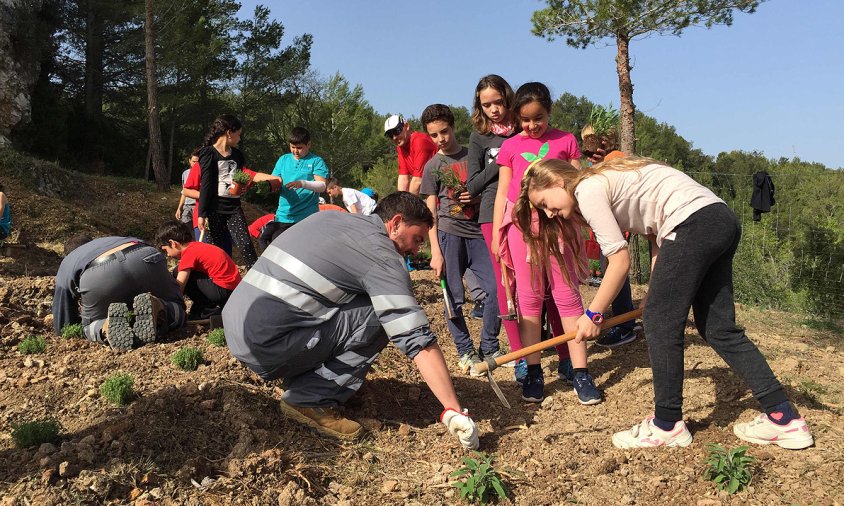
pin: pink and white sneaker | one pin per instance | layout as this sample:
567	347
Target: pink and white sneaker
762	431
647	435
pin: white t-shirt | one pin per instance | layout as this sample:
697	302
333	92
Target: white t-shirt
352	197
651	200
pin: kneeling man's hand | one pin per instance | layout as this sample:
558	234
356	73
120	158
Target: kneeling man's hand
462	426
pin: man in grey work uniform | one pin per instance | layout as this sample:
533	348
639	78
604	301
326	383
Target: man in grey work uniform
106	276
325	298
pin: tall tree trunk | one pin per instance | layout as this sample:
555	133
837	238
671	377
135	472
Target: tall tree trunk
162	173
625	87
94	51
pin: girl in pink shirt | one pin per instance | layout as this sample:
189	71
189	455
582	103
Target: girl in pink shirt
534	277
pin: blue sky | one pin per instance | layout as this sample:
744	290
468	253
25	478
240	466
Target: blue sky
771	82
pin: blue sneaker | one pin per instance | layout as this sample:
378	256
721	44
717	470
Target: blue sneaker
616	336
533	389
520	371
585	389
565	372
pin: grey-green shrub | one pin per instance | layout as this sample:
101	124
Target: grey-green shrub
32	344
118	389
187	358
36	433
216	337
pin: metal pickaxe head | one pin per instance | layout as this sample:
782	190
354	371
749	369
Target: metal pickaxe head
487	367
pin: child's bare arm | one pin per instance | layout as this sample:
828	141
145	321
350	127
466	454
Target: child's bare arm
182	279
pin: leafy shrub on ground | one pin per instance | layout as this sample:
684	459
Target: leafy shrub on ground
730	470
216	337
36	433
118	389
32	344
72	330
187	358
480	480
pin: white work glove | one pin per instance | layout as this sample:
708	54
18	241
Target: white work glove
462	426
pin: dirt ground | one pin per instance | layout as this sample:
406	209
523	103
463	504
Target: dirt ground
215	435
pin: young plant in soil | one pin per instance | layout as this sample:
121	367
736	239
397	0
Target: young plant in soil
239	180
216	337
481	483
32	344
187	358
604	130
730	470
118	389
448	178
72	330
36	433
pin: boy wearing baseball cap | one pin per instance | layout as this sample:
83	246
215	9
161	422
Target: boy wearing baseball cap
414	149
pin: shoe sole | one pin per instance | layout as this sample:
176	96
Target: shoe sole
617	344
120	336
788	444
532	399
590	402
679	443
146	317
290	412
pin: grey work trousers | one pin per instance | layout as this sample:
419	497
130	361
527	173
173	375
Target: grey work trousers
120	279
325	365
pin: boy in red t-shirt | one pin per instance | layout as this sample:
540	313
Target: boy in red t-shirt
205	273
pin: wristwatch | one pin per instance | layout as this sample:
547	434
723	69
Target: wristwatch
597	318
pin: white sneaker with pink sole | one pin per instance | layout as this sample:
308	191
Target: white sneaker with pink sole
795	435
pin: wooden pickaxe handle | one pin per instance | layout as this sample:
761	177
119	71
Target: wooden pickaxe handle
505	278
490	364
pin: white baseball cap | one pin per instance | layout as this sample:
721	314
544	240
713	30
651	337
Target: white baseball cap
393	124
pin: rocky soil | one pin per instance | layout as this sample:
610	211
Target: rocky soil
215	435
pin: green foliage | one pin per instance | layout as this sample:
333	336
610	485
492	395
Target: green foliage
730	470
187	358
241	177
118	389
216	337
31	345
586	22
481	483
36	433
381	175
72	330
604	120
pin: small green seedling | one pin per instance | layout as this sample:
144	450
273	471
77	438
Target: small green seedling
32	344
480	480
118	389
241	177
730	470
72	330
187	358
36	433
216	337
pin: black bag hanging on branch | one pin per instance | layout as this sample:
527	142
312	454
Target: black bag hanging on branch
763	194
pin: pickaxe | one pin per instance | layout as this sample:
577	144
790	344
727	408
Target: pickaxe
491	363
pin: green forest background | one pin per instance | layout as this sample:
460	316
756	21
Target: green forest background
89	113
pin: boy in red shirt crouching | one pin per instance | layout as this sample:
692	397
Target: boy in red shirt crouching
205	273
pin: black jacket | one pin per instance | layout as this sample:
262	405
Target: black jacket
763	194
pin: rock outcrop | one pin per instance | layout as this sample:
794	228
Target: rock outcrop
18	66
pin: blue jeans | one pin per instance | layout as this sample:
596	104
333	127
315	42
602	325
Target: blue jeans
459	254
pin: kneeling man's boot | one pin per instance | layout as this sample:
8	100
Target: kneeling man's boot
117	331
150	318
325	420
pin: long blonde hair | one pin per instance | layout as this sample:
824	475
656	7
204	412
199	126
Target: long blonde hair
548	173
545	238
